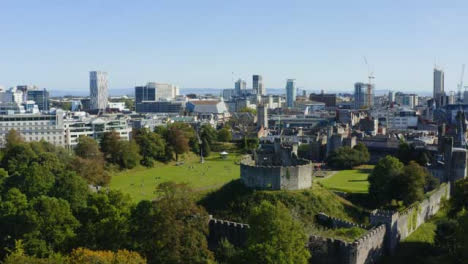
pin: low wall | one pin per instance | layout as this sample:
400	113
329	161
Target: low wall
334	222
235	233
401	225
370	247
364	250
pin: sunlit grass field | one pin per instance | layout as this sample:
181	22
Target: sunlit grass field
352	181
141	182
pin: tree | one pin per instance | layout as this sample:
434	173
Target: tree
17	159
226	253
407	153
19	256
38	180
128	155
459	199
87	148
363	153
86	256
54	226
208	136
409	185
224	134
462	238
110	146
92	170
13	138
13	218
445	235
178	140
174	228
274	236
208	133
72	188
104	222
152	145
206	148
382	178
248	110
347	158
244	124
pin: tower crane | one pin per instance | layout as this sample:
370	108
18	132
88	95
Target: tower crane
460	84
370	75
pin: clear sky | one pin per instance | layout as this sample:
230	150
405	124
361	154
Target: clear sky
200	43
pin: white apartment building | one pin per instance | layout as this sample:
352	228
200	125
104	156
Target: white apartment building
95	127
34	127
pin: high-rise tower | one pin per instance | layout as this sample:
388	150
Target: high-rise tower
290	92
257	84
240	87
438	84
363	95
98	90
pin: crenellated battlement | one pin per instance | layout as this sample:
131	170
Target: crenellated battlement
337	222
235	233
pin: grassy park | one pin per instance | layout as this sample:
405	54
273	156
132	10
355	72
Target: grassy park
352	181
141	182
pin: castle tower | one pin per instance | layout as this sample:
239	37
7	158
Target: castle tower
460	140
262	116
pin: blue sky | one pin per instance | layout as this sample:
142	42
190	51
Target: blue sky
198	44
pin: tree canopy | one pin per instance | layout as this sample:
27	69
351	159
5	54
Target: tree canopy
347	158
392	180
274	236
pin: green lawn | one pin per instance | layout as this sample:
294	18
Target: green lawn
141	182
352	181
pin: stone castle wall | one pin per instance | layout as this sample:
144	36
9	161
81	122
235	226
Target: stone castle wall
389	228
401	225
334	222
235	233
366	249
276	177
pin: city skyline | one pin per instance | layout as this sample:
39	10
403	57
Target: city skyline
324	48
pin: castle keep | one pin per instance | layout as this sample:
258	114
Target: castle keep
275	166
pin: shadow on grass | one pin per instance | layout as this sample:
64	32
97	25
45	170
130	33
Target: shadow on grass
415	253
357	180
368	171
362	199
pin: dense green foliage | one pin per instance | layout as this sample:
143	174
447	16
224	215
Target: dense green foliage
152	146
347	158
248	110
48	209
208	136
451	234
123	153
274	236
407	153
224	134
391	181
172	230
